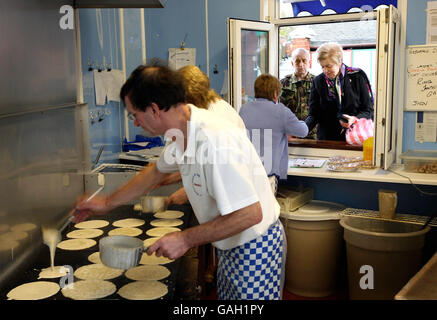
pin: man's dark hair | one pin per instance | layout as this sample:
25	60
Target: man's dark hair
158	84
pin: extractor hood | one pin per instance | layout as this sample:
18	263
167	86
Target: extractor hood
119	3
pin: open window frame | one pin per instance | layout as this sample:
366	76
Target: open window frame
387	74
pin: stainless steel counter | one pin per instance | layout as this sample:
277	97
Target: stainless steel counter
423	286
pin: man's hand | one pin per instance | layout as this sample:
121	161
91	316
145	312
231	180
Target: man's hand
172	246
178	197
84	209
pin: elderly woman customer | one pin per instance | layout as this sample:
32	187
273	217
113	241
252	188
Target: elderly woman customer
339	95
268	123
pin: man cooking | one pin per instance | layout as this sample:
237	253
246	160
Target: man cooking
223	177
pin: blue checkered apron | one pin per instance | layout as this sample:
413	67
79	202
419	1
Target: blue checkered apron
254	270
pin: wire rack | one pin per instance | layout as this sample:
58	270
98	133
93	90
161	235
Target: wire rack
410	218
117	166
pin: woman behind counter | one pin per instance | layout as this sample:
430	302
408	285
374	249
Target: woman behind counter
265	113
340	92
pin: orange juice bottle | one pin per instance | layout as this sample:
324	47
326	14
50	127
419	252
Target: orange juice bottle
368	149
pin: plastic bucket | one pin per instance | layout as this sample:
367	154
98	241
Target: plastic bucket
314	243
382	256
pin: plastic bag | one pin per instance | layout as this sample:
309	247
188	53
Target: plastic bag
136	145
359	131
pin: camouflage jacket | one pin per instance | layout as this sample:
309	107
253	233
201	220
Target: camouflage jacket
295	95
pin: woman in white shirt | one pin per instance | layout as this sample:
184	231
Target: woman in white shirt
203	96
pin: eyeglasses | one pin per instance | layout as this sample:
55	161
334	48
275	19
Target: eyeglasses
131	116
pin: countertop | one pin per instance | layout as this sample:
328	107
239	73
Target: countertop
304	148
423	286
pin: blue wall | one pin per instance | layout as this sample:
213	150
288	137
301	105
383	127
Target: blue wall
166	28
95	45
218	12
364	194
133	52
416	35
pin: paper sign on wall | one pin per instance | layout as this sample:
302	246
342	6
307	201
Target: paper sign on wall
178	58
421	78
426	127
431	23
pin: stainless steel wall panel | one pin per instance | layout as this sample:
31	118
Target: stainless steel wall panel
41	160
37	57
42	168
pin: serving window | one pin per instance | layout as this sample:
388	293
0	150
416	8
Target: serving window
369	41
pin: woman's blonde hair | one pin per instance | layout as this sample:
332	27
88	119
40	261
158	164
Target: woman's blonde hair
266	86
330	50
198	92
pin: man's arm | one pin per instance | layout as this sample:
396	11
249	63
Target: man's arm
286	94
293	126
365	109
314	106
174	245
138	186
170	178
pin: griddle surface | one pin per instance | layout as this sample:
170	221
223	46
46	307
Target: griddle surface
79	258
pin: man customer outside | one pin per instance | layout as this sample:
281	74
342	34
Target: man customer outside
296	87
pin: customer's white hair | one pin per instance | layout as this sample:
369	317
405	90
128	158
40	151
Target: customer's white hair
299	51
330	50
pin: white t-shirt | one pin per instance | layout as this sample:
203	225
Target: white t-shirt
225	110
221	172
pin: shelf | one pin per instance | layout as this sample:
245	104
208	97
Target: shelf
423	285
399	217
375	175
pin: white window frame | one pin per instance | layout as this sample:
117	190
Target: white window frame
234	54
269	11
387	87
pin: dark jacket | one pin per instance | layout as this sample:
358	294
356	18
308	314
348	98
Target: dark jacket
325	108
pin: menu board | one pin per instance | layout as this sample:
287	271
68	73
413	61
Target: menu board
421	81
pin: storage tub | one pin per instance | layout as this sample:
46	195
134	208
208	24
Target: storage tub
420	161
381	255
314	245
